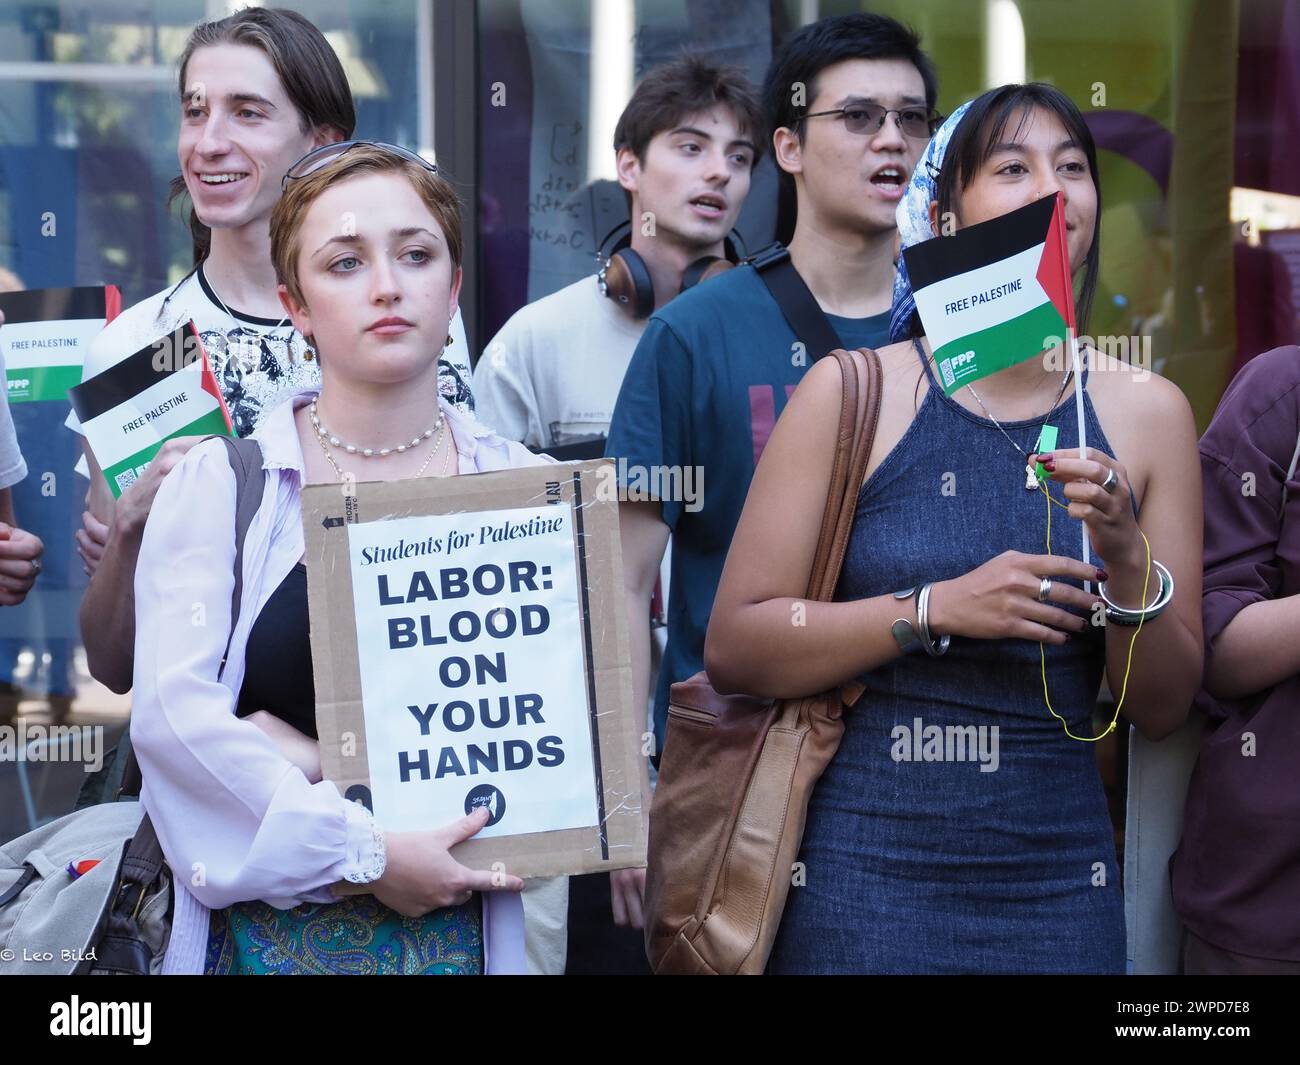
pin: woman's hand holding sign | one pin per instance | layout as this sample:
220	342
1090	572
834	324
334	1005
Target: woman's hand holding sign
420	874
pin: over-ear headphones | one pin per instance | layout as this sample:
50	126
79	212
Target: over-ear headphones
625	278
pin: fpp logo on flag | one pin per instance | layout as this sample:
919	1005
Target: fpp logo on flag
954	365
129	411
46	335
990	295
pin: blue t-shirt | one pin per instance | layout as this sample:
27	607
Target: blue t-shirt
710	376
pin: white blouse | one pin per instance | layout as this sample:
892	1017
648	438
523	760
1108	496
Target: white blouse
236	819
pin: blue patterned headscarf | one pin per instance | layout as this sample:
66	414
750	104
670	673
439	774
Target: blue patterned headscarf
914	220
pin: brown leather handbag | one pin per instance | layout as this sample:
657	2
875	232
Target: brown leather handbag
737	771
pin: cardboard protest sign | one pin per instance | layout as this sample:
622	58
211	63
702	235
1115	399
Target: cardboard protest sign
130	410
470	649
45	336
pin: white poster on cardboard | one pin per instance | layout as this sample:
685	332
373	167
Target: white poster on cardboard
473	670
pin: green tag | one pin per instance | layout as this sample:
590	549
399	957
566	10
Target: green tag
1046	442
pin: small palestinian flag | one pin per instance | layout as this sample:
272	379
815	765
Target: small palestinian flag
45	336
996	293
166	389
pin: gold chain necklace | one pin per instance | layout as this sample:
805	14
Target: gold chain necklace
1031	477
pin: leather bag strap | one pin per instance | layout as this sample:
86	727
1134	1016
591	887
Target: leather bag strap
859	414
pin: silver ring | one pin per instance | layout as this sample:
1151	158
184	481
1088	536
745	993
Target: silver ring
1112	479
1044	588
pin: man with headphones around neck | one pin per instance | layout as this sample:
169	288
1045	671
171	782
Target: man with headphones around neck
686	145
845	98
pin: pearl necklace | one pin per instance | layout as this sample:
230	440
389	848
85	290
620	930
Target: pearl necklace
368	452
437	443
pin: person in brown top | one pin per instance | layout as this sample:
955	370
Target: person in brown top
1236	873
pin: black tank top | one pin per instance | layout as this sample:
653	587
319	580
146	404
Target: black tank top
277	665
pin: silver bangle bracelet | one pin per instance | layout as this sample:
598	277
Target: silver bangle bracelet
1122	615
932	648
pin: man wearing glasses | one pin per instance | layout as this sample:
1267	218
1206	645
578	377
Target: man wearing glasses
851	102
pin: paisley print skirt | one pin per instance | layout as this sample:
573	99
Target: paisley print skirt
357	935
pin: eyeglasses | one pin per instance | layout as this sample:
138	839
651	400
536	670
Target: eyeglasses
318	157
870	118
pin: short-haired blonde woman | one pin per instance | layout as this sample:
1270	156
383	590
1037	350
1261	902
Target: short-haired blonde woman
366	242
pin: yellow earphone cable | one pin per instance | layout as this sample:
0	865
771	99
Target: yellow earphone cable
1042	655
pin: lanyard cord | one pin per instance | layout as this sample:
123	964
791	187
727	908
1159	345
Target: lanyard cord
1042	655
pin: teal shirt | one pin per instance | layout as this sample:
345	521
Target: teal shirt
710	376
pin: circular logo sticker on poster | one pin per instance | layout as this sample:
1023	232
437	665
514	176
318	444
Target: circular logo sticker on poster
489	796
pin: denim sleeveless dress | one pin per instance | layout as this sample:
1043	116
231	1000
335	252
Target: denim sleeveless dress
916	863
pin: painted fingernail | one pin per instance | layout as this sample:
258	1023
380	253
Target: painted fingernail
1102	575
1049	463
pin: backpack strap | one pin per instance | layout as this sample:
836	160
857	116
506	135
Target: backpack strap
797	303
18	886
246	461
121	949
121	946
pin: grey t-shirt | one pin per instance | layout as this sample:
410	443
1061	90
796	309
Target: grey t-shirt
13	468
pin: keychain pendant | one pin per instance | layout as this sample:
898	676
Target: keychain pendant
1031	477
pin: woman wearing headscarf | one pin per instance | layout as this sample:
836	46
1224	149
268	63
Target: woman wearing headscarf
962	826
